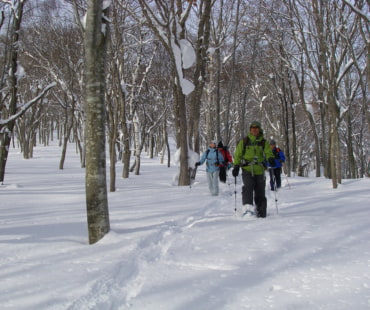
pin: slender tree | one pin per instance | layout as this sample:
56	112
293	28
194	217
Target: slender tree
200	73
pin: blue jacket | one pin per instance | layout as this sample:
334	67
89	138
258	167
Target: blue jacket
279	157
214	158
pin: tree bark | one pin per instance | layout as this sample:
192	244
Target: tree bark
96	187
6	133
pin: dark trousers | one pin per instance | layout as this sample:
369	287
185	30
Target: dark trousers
254	187
275	178
223	174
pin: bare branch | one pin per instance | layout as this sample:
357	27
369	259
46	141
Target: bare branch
357	11
26	106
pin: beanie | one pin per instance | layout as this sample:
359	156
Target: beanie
220	145
256	124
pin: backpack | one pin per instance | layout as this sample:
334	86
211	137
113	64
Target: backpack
223	152
262	143
216	154
276	152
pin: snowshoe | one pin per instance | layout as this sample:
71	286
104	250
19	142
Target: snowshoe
246	211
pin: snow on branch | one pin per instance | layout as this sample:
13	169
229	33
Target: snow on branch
181	49
357	11
26	106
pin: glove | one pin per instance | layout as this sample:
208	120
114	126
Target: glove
228	166
272	162
236	171
197	164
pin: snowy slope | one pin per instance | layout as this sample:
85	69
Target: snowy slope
178	248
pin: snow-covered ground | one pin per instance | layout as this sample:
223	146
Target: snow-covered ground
178	248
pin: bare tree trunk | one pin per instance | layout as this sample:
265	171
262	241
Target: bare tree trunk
184	177
200	75
77	140
136	125
112	165
310	117
293	162
352	169
216	86
173	30
112	136
126	157
124	136
227	134
6	133
96	187
333	170
67	133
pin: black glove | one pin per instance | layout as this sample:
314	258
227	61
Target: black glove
236	171
197	164
272	162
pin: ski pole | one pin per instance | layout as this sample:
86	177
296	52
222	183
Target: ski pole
272	176
276	204
235	195
275	190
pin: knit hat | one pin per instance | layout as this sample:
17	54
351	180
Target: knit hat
220	145
213	142
272	142
256	124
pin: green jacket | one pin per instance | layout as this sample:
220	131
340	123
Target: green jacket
254	154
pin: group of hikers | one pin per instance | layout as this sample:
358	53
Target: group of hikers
253	155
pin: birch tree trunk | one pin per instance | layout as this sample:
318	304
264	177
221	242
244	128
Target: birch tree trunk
96	187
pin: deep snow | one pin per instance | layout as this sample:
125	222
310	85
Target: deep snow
178	248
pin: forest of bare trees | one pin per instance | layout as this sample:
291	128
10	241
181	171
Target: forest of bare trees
302	68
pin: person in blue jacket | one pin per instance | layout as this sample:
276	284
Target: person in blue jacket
275	172
214	159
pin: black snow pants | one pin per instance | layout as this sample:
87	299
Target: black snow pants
275	178
254	186
223	174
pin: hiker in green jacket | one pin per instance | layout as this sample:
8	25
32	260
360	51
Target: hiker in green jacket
251	155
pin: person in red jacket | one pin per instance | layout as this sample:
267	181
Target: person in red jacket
224	150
